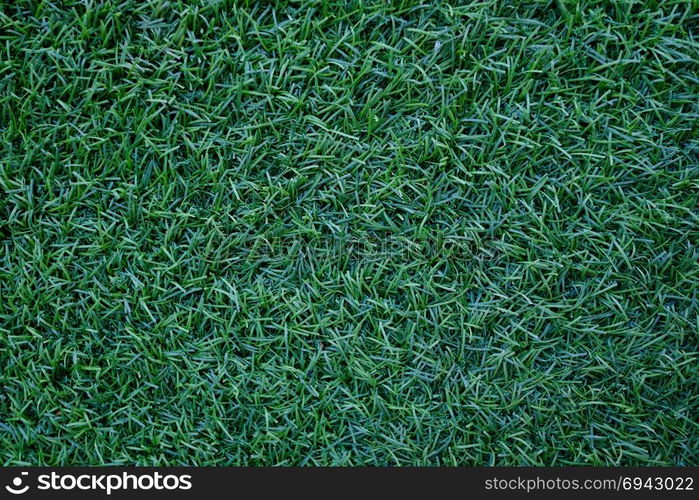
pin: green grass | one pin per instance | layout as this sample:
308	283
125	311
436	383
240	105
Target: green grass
349	232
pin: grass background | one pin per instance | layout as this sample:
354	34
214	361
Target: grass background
349	232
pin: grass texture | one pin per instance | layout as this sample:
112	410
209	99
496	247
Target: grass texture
349	232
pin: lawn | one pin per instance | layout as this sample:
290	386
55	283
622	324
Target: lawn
349	232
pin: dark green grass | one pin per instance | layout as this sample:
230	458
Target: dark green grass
349	232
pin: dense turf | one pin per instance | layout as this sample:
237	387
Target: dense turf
349	232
